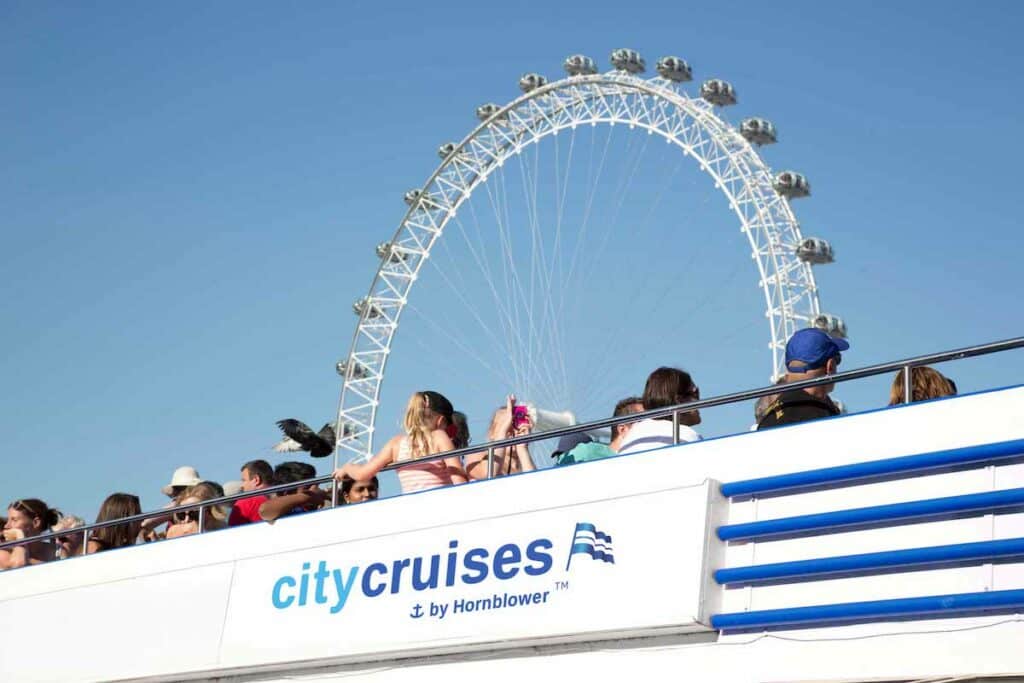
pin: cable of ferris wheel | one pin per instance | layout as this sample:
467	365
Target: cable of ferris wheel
498	201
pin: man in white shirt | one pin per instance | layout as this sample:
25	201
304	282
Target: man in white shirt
665	387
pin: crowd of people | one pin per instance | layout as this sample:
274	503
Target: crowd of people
432	427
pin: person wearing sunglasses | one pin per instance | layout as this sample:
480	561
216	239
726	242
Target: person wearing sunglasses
69	544
186	522
810	353
26	518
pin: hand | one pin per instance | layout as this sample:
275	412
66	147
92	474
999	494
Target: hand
503	420
341	473
14	535
523	429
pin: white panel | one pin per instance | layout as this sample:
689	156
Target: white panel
360	597
158	624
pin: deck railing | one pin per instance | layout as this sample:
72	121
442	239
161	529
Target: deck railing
673	411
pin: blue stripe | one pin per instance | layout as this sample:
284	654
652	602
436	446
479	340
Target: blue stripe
858	472
913	511
600	535
588	549
958	604
907	560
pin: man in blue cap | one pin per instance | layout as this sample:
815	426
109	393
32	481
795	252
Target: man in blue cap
810	353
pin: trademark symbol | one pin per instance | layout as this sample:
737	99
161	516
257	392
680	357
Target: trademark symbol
561	585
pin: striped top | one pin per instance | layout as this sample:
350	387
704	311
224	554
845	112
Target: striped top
420	476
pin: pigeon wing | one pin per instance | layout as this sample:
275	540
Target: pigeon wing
287	445
299	432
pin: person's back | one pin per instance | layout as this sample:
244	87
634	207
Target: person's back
794	406
428	416
665	387
810	354
419	476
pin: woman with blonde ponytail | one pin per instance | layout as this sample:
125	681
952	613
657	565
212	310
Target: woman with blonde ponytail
427	426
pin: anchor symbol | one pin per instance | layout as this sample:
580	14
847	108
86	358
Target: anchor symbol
417	611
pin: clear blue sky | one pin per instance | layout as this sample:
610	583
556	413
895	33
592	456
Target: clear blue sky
191	194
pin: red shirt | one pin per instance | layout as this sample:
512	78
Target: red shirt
246	510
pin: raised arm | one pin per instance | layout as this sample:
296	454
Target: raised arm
368	470
273	508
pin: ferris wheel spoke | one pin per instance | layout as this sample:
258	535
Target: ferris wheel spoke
457	341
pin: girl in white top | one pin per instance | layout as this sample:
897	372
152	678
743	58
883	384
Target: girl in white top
665	387
427	419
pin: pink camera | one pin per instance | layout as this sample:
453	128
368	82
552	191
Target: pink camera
520	416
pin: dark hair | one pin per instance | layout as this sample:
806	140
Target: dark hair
347	485
668	387
461	439
439	404
33	507
117	506
622	408
261	469
291	472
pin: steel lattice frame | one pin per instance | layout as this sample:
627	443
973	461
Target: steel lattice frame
658	105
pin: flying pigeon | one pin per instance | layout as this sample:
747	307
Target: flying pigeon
299	437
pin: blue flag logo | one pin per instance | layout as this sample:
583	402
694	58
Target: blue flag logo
589	541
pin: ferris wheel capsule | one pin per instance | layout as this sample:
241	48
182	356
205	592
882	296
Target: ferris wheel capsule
530	82
446	150
580	65
674	69
718	92
629	61
487	111
365	308
758	131
423	199
359	370
387	250
832	325
815	250
791	185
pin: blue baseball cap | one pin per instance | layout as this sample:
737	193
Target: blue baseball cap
812	348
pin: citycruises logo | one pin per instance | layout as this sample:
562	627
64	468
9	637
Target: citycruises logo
319	584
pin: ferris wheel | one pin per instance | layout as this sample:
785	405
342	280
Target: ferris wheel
693	127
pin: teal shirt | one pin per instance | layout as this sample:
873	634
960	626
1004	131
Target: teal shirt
585	452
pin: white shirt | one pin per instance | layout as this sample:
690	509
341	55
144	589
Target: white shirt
648	434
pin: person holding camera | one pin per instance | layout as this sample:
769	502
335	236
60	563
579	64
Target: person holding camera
509	421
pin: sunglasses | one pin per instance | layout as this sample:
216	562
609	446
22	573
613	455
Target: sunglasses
187	516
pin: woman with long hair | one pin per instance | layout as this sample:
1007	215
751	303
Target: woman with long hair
426	426
925	383
26	518
116	506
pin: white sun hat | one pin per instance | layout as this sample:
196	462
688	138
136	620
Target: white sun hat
183	476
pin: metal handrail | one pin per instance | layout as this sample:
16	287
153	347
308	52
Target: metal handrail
490	447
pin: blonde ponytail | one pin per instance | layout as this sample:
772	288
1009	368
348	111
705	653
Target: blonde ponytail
417	425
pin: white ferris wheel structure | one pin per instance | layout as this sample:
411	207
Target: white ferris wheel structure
758	197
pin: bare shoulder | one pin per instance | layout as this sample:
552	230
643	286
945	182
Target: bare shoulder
441	441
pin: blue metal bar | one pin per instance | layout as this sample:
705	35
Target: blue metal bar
906	560
855	473
896	513
957	604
